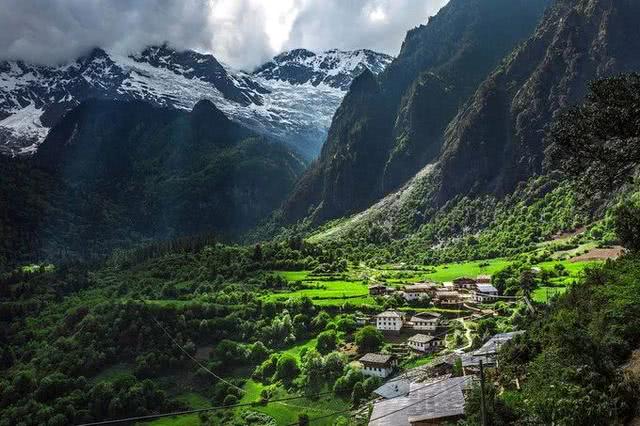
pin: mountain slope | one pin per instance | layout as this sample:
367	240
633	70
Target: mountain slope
497	140
33	98
495	144
112	173
399	130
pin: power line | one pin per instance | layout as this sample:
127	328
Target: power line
199	410
193	358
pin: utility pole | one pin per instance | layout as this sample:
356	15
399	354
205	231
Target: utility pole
483	409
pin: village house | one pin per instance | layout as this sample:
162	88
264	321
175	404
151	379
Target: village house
425	321
377	290
484	293
390	321
447	298
487	353
483	279
362	319
380	365
420	290
438	403
464	283
424	343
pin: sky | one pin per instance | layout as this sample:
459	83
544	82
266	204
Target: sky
241	33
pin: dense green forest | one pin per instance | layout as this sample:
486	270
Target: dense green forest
116	174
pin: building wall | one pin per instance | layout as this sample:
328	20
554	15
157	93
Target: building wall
389	324
426	325
376	371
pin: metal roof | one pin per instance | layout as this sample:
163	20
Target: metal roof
486	353
443	398
486	288
393	389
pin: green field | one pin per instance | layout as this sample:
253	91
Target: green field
287	412
544	294
324	290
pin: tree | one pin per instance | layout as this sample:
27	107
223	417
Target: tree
320	321
369	339
327	341
597	143
627	223
313	368
259	352
287	368
334	364
358	393
527	282
257	253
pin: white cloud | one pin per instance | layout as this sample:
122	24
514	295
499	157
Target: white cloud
243	33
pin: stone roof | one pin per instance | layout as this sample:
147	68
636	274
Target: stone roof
390	314
447	294
421	338
373	358
441	399
420	287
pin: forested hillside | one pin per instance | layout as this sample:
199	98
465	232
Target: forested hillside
112	174
388	128
492	151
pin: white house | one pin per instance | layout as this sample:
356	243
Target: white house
380	365
427	321
485	293
424	343
418	291
390	321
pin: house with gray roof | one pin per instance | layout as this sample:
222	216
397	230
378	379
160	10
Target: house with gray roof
380	365
424	342
484	293
430	403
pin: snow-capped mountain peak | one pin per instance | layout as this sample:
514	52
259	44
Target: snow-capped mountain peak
335	68
273	100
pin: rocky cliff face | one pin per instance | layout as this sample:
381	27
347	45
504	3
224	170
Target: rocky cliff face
393	125
496	139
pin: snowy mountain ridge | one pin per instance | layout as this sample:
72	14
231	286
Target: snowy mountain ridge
274	100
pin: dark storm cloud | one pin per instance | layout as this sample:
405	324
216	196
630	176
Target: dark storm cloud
243	33
50	31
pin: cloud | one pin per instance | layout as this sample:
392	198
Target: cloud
351	24
243	33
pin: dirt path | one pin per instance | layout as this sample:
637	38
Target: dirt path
467	335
